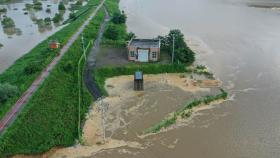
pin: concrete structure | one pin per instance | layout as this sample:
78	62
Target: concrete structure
144	50
138	81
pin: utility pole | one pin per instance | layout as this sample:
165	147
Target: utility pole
103	107
173	49
83	43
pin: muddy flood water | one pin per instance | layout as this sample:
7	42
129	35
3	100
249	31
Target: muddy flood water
241	45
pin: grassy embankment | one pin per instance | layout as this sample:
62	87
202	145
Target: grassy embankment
50	118
186	111
24	71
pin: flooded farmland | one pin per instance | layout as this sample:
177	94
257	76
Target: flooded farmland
27	32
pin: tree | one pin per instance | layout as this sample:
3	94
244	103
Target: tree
8	22
119	18
184	55
57	18
112	32
182	52
7	91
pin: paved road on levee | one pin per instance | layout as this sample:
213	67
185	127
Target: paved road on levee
11	115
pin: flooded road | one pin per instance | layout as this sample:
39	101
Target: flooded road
26	34
242	48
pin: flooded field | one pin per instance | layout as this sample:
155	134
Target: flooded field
27	32
241	45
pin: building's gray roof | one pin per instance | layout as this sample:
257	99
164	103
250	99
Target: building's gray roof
145	43
138	75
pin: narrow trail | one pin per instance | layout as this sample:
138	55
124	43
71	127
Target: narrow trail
11	115
91	60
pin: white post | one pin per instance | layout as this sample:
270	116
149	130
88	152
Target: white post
173	49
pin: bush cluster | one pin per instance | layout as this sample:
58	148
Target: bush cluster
57	18
8	22
61	6
119	18
7	91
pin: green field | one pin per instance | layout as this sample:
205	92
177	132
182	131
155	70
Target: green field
24	71
50	118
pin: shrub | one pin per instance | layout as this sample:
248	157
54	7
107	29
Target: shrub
28	6
32	68
7	91
48	21
48	10
119	18
37	5
8	22
61	6
57	18
68	66
3	10
112	32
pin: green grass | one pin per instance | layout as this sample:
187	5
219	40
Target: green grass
101	74
185	111
50	118
40	56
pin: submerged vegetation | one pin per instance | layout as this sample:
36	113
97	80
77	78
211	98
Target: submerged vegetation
1	45
8	22
61	6
57	18
186	111
3	11
50	118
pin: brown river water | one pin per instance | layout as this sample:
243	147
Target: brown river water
244	52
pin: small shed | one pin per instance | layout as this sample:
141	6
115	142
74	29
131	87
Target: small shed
54	44
138	81
144	50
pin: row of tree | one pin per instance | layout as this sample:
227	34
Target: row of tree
182	53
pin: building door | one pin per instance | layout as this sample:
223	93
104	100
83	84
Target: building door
143	55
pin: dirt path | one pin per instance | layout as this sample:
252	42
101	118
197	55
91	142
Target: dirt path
91	60
11	115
